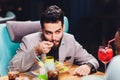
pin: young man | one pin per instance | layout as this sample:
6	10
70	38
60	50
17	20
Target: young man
53	41
113	70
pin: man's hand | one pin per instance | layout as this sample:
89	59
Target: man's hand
83	70
44	47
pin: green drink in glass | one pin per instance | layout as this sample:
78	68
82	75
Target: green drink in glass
42	77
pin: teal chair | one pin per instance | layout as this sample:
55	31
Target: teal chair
7	49
66	24
8	46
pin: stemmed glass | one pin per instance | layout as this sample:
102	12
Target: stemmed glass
105	54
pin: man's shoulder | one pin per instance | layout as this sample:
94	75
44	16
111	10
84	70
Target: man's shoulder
68	35
116	58
114	62
32	36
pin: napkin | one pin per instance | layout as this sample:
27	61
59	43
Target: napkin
92	77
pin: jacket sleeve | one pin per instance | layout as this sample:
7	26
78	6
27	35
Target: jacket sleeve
82	56
25	57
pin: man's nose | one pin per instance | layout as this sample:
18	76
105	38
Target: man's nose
53	36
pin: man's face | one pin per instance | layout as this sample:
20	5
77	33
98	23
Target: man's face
117	40
53	32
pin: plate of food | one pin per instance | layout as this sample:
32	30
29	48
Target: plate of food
61	67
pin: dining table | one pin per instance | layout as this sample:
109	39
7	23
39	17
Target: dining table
67	75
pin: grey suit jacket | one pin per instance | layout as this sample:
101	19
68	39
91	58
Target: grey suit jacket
69	47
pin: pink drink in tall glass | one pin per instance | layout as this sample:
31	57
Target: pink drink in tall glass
105	54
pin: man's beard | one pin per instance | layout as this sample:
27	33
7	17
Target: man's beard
54	43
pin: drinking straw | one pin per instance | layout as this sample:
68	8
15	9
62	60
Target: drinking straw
40	62
38	59
110	42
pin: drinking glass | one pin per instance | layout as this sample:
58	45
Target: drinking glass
49	62
13	73
52	72
105	54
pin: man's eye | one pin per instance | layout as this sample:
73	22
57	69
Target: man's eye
58	32
48	33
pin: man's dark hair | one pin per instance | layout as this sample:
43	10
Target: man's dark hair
51	15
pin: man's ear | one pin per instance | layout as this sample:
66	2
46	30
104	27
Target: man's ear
40	30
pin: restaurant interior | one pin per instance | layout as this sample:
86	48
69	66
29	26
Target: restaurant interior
93	22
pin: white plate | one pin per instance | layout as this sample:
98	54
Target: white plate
92	77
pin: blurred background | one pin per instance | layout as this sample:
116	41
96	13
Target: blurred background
93	22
